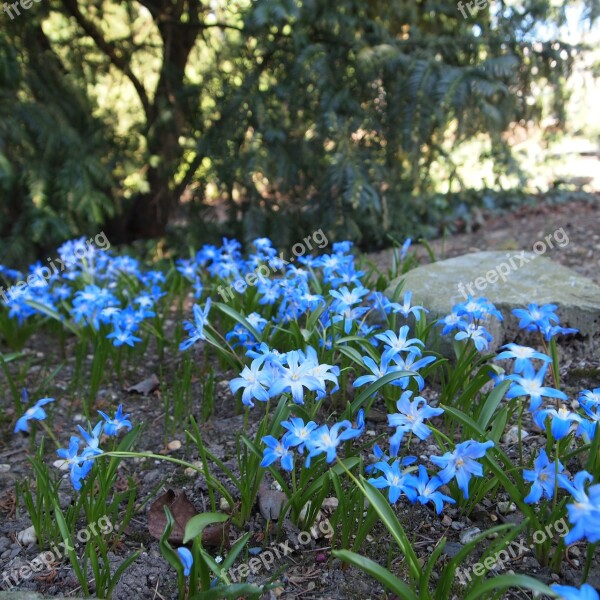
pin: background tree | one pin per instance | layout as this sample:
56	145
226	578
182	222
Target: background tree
292	115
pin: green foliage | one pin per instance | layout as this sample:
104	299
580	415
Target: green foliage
420	576
56	166
295	115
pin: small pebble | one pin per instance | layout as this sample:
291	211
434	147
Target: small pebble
174	445
27	536
469	535
512	435
4	468
506	507
330	504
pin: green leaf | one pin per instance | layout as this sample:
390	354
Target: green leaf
236	316
491	404
387	579
46	310
235	551
515	493
236	590
381	505
349	463
66	535
196	525
505	582
377	385
165	548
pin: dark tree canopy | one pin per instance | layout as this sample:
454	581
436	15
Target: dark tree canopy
294	115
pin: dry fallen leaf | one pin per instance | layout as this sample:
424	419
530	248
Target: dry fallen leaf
214	536
181	508
270	503
145	387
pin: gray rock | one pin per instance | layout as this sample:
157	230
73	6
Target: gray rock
469	535
441	285
451	549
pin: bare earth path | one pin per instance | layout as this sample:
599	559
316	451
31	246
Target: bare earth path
521	229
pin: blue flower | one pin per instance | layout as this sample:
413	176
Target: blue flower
410	418
584	513
121	337
462	464
295	377
523	355
186	558
552	330
543	477
412	363
92	439
497	378
479	334
566	592
593	412
377	371
477	310
399	343
35	412
531	384
325	440
451	322
277	450
426	490
397	482
381	302
589	398
254	381
298	433
195	329
322	372
360	426
344	298
561	421
536	318
406	309
380	457
114	425
79	465
587	429
343	305
187	268
405	248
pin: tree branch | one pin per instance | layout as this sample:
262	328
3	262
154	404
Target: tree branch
109	50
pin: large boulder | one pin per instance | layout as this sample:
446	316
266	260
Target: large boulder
509	280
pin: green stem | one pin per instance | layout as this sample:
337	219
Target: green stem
51	434
588	560
520	430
